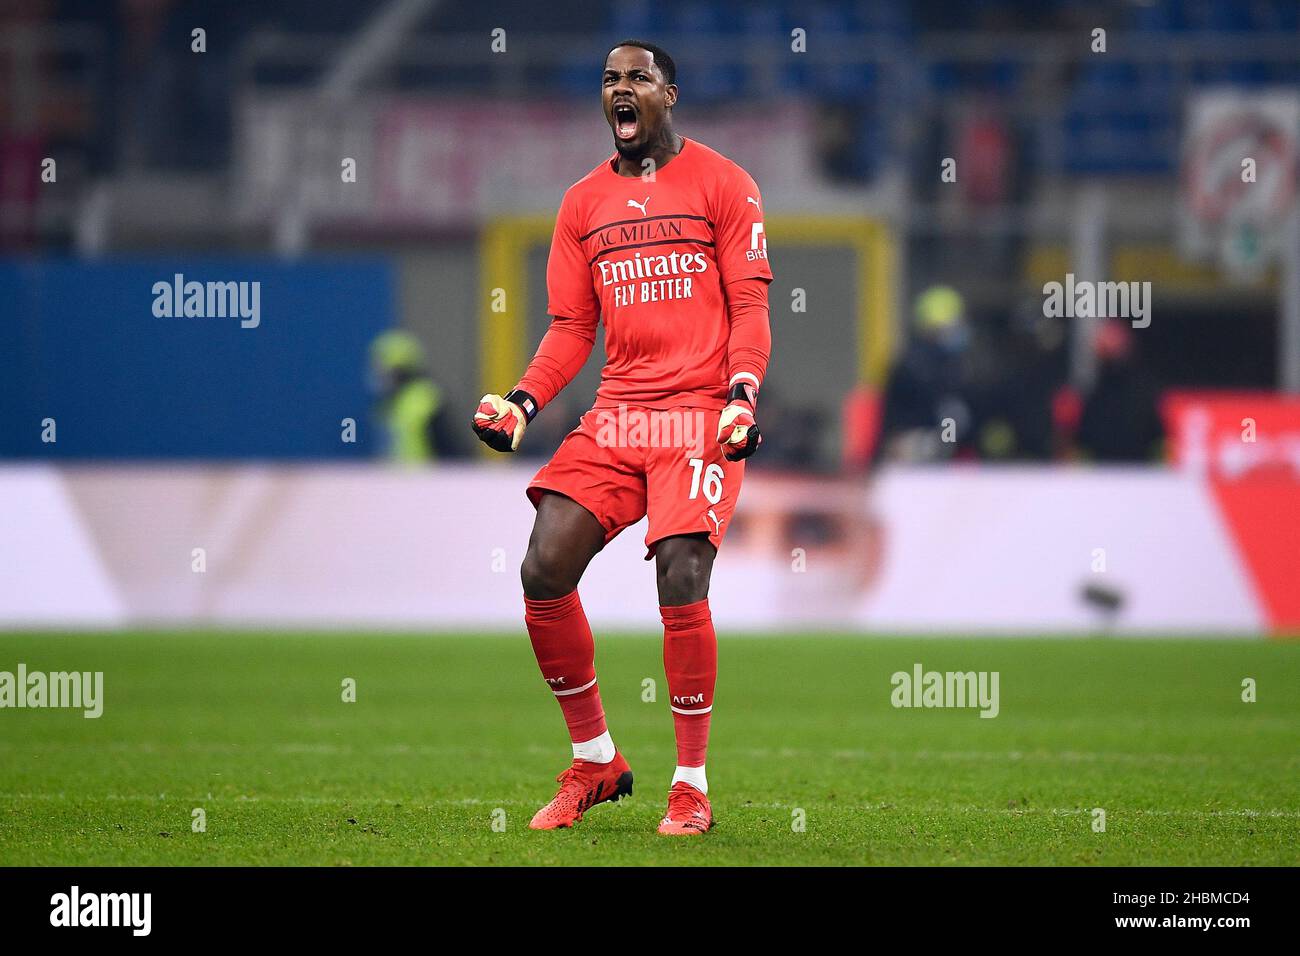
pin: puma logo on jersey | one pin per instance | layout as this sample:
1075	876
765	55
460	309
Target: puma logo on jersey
755	202
717	522
639	205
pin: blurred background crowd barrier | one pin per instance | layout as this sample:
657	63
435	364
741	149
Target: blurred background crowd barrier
254	254
1123	550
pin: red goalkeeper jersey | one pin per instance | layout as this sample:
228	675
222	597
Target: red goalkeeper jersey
677	269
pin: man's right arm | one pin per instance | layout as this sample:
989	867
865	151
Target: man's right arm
564	350
575	311
500	420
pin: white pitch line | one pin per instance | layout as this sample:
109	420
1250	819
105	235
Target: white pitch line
415	802
788	753
1112	812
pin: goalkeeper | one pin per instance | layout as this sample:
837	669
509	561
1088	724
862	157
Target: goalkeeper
676	267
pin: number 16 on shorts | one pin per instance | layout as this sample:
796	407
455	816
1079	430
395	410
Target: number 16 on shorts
711	487
712	480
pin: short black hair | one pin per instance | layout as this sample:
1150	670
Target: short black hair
661	58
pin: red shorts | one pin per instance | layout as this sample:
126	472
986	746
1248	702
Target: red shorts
627	462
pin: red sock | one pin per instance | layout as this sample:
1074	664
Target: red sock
691	663
566	654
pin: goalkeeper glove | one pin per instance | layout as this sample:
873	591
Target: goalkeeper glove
737	431
500	422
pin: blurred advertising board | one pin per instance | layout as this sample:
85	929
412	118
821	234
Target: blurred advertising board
189	356
1008	550
1234	435
1245	446
451	163
1239	171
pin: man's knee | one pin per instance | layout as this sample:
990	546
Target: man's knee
565	538
546	572
683	567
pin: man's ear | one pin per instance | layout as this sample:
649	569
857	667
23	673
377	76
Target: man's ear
671	97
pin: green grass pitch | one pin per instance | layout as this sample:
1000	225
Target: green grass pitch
449	732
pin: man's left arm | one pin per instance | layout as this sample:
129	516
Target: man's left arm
745	274
748	348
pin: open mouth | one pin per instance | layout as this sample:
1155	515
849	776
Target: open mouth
625	121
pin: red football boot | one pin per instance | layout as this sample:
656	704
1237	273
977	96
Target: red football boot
688	811
582	786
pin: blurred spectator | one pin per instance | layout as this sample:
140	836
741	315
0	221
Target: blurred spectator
1025	367
415	416
985	158
926	414
792	435
1120	419
838	142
